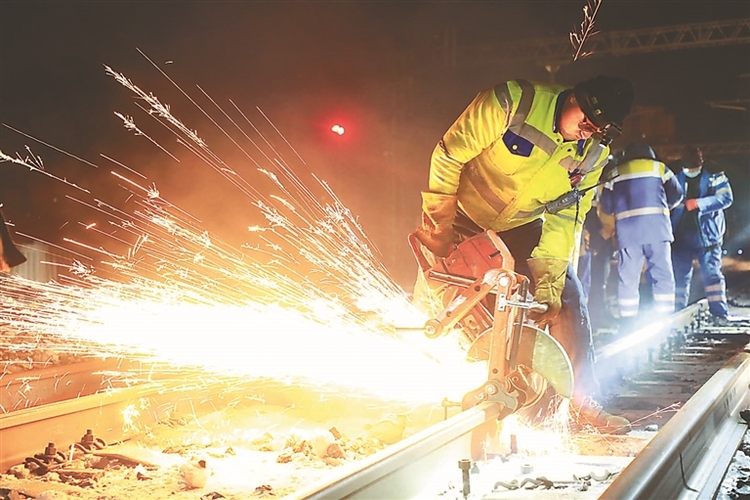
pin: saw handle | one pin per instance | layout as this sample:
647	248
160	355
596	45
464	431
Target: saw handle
416	247
531	306
540	308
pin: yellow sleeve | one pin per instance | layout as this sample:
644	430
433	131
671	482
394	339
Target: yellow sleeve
483	122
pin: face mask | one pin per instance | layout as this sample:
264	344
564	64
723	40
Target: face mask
692	173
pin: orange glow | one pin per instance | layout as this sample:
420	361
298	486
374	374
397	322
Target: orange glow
306	299
253	340
552	438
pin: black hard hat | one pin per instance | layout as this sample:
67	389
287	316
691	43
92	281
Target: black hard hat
605	100
692	157
639	151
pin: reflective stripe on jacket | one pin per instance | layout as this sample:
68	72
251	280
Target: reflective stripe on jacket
504	160
715	195
640	198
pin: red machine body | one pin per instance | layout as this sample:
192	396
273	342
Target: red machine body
470	261
483	296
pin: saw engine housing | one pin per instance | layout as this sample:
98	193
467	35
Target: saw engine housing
470	260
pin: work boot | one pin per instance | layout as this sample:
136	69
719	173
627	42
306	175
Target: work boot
731	320
591	413
720	321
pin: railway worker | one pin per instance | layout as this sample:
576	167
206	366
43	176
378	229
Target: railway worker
505	164
640	198
596	268
588	247
699	228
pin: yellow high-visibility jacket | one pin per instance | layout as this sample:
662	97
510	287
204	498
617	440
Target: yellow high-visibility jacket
505	161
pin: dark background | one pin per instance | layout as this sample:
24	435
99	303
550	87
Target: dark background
379	68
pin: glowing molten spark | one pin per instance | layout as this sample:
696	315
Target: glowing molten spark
307	300
250	340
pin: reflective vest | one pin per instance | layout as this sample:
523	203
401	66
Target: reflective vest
505	161
640	198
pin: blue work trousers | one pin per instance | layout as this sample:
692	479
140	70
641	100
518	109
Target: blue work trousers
709	261
584	273
657	257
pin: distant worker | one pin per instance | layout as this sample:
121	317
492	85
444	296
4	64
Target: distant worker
589	243
516	149
699	228
640	198
600	250
583	270
9	254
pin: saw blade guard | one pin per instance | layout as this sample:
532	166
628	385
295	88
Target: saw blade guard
489	330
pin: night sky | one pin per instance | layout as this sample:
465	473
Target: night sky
379	68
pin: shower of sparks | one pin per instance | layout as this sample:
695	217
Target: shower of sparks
78	158
579	38
157	108
551	438
35	164
129	124
296	304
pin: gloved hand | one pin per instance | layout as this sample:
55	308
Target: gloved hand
608	225
691	204
438	214
549	280
585	240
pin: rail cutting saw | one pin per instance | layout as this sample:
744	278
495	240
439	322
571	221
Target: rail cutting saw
488	302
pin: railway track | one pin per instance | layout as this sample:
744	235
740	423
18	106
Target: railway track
686	459
685	372
86	401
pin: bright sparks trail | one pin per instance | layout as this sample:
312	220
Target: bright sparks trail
295	303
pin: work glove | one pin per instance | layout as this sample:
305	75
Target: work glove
438	214
691	204
549	280
608	225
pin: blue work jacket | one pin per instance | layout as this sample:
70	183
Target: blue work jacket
640	198
715	195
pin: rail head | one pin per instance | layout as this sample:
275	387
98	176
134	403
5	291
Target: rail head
689	455
399	471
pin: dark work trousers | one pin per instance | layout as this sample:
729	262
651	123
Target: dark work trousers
714	283
571	327
601	263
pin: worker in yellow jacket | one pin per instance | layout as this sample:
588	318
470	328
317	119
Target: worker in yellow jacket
520	160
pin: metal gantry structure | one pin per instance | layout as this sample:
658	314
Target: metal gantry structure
553	52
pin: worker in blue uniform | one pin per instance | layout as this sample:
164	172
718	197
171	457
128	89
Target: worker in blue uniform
699	228
640	198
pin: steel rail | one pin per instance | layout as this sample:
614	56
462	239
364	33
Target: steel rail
685	460
651	335
402	470
58	382
112	415
688	458
405	469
